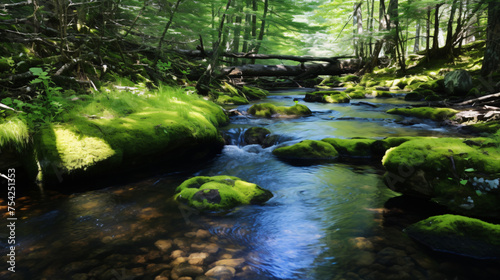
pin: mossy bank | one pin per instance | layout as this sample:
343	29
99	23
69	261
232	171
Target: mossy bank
115	132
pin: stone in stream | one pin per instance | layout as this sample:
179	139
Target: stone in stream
234	263
198	258
458	235
307	150
256	135
177	254
203	234
221	272
219	193
268	110
164	245
185	269
461	174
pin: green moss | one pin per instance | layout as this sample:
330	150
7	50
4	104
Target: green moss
219	193
436	114
351	147
254	93
487	127
267	110
307	150
442	168
414	96
231	100
14	133
350	78
383	94
256	135
104	134
334	96
458	235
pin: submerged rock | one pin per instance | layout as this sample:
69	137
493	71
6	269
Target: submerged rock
219	193
307	150
269	110
256	135
458	235
334	96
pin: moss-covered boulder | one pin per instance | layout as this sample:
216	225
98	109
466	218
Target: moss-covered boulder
231	100
458	235
436	114
254	93
364	147
268	110
219	193
458	82
307	150
256	135
462	174
334	96
94	146
351	147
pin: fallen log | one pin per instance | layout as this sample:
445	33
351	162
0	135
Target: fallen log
300	71
204	53
482	99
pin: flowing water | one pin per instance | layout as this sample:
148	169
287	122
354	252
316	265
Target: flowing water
325	221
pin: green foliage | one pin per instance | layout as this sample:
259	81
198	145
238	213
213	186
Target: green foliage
14	133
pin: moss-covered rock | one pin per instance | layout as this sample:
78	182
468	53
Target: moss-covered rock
364	147
458	82
254	93
334	96
231	100
436	114
219	193
307	150
256	135
458	235
351	147
268	110
89	147
458	173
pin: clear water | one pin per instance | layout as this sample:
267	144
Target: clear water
324	222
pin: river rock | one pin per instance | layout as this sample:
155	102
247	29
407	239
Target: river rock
221	272
459	174
219	193
458	235
256	135
164	245
198	258
269	110
307	150
203	234
177	254
458	82
234	263
186	269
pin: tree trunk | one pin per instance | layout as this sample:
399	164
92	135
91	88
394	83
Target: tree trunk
302	71
167	26
358	29
491	61
247	30
416	45
428	31
449	32
262	29
237	30
435	41
202	86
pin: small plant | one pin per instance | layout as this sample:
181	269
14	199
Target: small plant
44	108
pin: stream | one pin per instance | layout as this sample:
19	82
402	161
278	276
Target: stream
325	221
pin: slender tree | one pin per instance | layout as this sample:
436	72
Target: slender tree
491	61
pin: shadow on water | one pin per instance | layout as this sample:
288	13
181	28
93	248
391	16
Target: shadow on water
325	221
